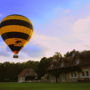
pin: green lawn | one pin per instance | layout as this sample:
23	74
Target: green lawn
44	86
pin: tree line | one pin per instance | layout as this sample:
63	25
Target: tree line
9	71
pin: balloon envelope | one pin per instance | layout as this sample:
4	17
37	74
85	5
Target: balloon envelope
16	31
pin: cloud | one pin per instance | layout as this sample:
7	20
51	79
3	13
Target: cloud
64	33
81	30
33	51
49	44
4	50
67	11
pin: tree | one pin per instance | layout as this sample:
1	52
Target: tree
56	63
43	66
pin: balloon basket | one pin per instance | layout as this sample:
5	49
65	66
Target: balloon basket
15	56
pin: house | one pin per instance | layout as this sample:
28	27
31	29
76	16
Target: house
71	69
27	75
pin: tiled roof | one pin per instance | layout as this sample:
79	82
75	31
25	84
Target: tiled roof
27	71
80	60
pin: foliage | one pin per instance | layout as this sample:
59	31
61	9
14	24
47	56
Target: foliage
43	66
9	71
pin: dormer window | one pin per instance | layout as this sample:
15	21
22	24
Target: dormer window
77	61
73	55
62	65
52	66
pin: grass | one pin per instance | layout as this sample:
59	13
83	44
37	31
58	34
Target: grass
44	86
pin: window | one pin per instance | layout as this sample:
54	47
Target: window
83	74
74	74
87	73
71	74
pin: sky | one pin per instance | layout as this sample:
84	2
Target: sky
59	26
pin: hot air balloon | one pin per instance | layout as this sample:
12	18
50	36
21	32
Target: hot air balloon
16	31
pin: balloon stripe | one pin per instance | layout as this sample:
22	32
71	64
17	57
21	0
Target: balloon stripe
18	17
15	35
16	41
15	48
16	28
16	22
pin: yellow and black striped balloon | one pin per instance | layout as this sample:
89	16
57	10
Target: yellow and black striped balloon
16	31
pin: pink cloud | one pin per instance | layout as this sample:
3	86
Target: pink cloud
67	11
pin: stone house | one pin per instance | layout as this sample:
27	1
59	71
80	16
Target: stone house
27	75
71	69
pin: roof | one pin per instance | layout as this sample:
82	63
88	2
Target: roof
83	59
26	72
